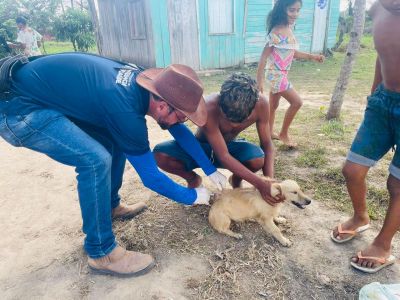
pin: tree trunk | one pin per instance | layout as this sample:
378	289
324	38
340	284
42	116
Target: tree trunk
62	6
96	25
342	31
352	50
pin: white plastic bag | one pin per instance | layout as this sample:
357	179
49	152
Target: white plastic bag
377	291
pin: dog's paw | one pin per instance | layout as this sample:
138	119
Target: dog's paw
286	242
237	236
280	220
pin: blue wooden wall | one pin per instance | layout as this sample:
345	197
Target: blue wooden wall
334	12
304	25
220	51
245	44
162	48
257	12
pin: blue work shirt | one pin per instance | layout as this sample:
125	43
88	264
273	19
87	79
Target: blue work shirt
90	88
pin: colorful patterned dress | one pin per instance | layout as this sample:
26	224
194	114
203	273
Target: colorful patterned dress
279	61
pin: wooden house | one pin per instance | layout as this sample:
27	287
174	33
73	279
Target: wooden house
205	34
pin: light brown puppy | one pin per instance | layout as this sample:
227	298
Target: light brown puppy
243	204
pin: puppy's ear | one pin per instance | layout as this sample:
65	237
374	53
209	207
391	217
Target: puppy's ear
278	189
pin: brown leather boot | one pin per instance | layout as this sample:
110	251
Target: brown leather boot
125	212
123	263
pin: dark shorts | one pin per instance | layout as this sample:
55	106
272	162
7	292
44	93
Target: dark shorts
240	149
379	131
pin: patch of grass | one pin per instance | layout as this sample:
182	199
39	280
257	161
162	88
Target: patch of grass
329	186
57	47
333	129
53	47
335	175
378	201
312	158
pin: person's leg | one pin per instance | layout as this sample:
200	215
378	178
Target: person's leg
250	155
273	106
49	132
381	246
173	159
118	158
372	141
295	103
118	211
355	175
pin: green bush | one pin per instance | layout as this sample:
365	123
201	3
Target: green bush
76	26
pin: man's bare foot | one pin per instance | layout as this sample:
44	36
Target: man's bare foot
274	136
351	224
287	141
194	182
235	182
372	250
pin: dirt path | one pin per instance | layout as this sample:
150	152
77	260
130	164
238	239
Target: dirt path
41	254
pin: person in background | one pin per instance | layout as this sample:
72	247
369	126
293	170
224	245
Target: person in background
276	59
28	39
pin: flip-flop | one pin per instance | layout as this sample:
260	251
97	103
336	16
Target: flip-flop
384	262
352	232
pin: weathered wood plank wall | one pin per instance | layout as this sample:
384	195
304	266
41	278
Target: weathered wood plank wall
126	28
183	32
257	12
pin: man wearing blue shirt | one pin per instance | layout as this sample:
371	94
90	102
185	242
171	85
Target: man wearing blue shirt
89	112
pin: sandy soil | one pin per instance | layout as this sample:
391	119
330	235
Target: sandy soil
41	246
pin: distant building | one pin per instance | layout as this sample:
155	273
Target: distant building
204	34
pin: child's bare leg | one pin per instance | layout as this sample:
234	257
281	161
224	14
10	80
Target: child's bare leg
174	166
253	165
295	103
381	246
355	180
273	106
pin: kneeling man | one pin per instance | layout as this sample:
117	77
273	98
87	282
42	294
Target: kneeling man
237	106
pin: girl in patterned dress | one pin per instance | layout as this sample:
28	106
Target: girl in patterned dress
280	49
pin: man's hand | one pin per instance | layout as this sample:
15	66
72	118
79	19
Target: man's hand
218	179
265	190
203	196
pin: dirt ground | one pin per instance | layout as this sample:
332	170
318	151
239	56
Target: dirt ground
41	253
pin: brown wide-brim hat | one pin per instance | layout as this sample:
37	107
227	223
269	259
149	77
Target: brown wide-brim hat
180	87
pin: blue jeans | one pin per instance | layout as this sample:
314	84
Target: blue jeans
97	161
379	131
240	149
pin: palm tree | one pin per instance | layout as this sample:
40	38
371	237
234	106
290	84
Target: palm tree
352	50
